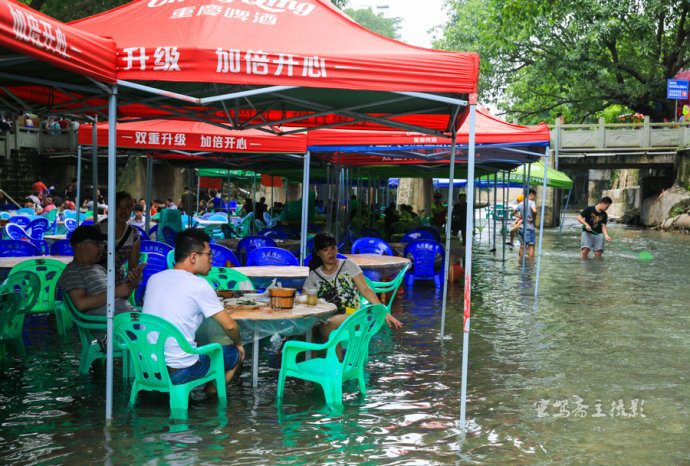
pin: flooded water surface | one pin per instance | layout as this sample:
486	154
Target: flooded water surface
595	371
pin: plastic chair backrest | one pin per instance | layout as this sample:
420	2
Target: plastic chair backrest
155	247
225	278
416	235
51	215
26	284
4	215
37	228
424	253
371	245
15	231
71	224
61	248
170	259
250	243
169	235
22	220
390	286
207	215
144	336
232	206
18	248
274	233
153	233
430	229
268	220
221	255
218	217
357	330
271	256
26	211
49	271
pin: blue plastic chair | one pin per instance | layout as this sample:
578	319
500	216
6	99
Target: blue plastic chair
274	233
269	221
218	217
221	255
371	245
250	243
37	228
4	215
169	235
271	256
18	248
416	235
232	206
207	215
16	231
71	224
156	260
26	211
22	220
61	248
430	229
153	233
424	254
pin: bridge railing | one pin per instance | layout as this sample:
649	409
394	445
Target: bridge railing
39	139
644	135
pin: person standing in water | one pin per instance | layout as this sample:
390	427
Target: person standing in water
593	219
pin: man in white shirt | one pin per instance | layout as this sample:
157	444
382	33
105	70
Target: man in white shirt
184	299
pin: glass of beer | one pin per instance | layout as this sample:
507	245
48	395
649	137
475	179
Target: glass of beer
312	296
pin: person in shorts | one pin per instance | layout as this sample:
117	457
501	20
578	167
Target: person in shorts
183	298
527	212
593	219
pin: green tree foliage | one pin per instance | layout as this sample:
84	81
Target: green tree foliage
365	17
577	57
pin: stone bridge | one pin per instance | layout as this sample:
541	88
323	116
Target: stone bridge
620	145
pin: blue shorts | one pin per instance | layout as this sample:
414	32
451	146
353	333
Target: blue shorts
530	236
230	357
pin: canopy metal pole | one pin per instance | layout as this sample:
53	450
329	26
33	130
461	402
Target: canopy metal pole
338	195
78	196
94	171
525	201
468	262
198	192
305	210
329	199
228	203
567	201
495	203
449	232
505	214
110	293
149	185
541	225
190	183
251	223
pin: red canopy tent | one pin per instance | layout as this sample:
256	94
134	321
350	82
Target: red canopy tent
35	36
183	135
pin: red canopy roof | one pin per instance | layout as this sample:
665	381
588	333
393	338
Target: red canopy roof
272	42
489	130
32	33
193	136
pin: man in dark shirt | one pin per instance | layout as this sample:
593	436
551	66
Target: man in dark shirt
593	219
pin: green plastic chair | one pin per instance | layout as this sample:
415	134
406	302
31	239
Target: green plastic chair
144	336
226	278
90	346
385	287
49	271
27	286
11	322
330	372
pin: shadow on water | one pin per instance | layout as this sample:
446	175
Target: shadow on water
594	372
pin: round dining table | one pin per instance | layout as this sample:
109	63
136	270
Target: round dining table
264	322
6	263
374	267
